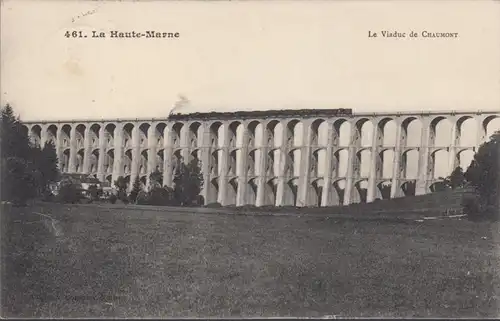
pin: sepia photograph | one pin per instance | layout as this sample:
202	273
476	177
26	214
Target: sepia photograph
250	159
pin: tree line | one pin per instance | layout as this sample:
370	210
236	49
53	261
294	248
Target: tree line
28	170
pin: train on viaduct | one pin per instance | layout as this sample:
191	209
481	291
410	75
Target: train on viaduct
274	157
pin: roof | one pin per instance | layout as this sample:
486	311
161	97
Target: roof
82	178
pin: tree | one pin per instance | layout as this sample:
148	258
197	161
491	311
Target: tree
483	174
70	191
188	181
20	175
47	164
161	196
136	189
121	183
156	178
95	192
15	141
456	179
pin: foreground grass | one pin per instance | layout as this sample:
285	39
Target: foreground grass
140	263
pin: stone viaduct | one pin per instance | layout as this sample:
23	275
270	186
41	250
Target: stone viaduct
256	158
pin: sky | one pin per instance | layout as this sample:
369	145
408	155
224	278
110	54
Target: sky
247	56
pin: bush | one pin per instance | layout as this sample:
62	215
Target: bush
122	196
112	198
142	198
213	205
95	192
160	196
70	192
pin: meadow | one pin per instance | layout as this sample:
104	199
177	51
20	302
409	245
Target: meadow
105	261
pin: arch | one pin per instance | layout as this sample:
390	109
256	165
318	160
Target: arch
362	163
318	128
340	162
341	132
292	163
251	192
127	162
160	129
65	136
195	154
160	159
233	128
337	192
269	171
290	135
177	159
213	191
438	163
109	135
438	186
491	124
36	135
411	132
127	135
251	163
64	161
79	161
360	191
465	157
384	169
94	161
25	130
467	131
215	127
408	164
362	132
193	141
52	134
271	188
176	134
252	134
214	163
316	160
144	134
291	192
143	179
94	135
409	187
387	128
440	132
231	164
109	161
232	191
384	190
271	133
315	193
143	163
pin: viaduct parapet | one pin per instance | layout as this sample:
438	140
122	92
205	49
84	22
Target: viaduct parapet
275	157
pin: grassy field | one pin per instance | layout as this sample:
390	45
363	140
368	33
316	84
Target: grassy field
97	261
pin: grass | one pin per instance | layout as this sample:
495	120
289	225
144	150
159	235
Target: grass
110	262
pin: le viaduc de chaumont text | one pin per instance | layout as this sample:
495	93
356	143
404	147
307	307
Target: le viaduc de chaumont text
411	34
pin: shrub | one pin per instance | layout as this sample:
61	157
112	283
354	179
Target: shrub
213	205
112	198
122	196
136	189
94	192
161	196
483	174
142	198
70	192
